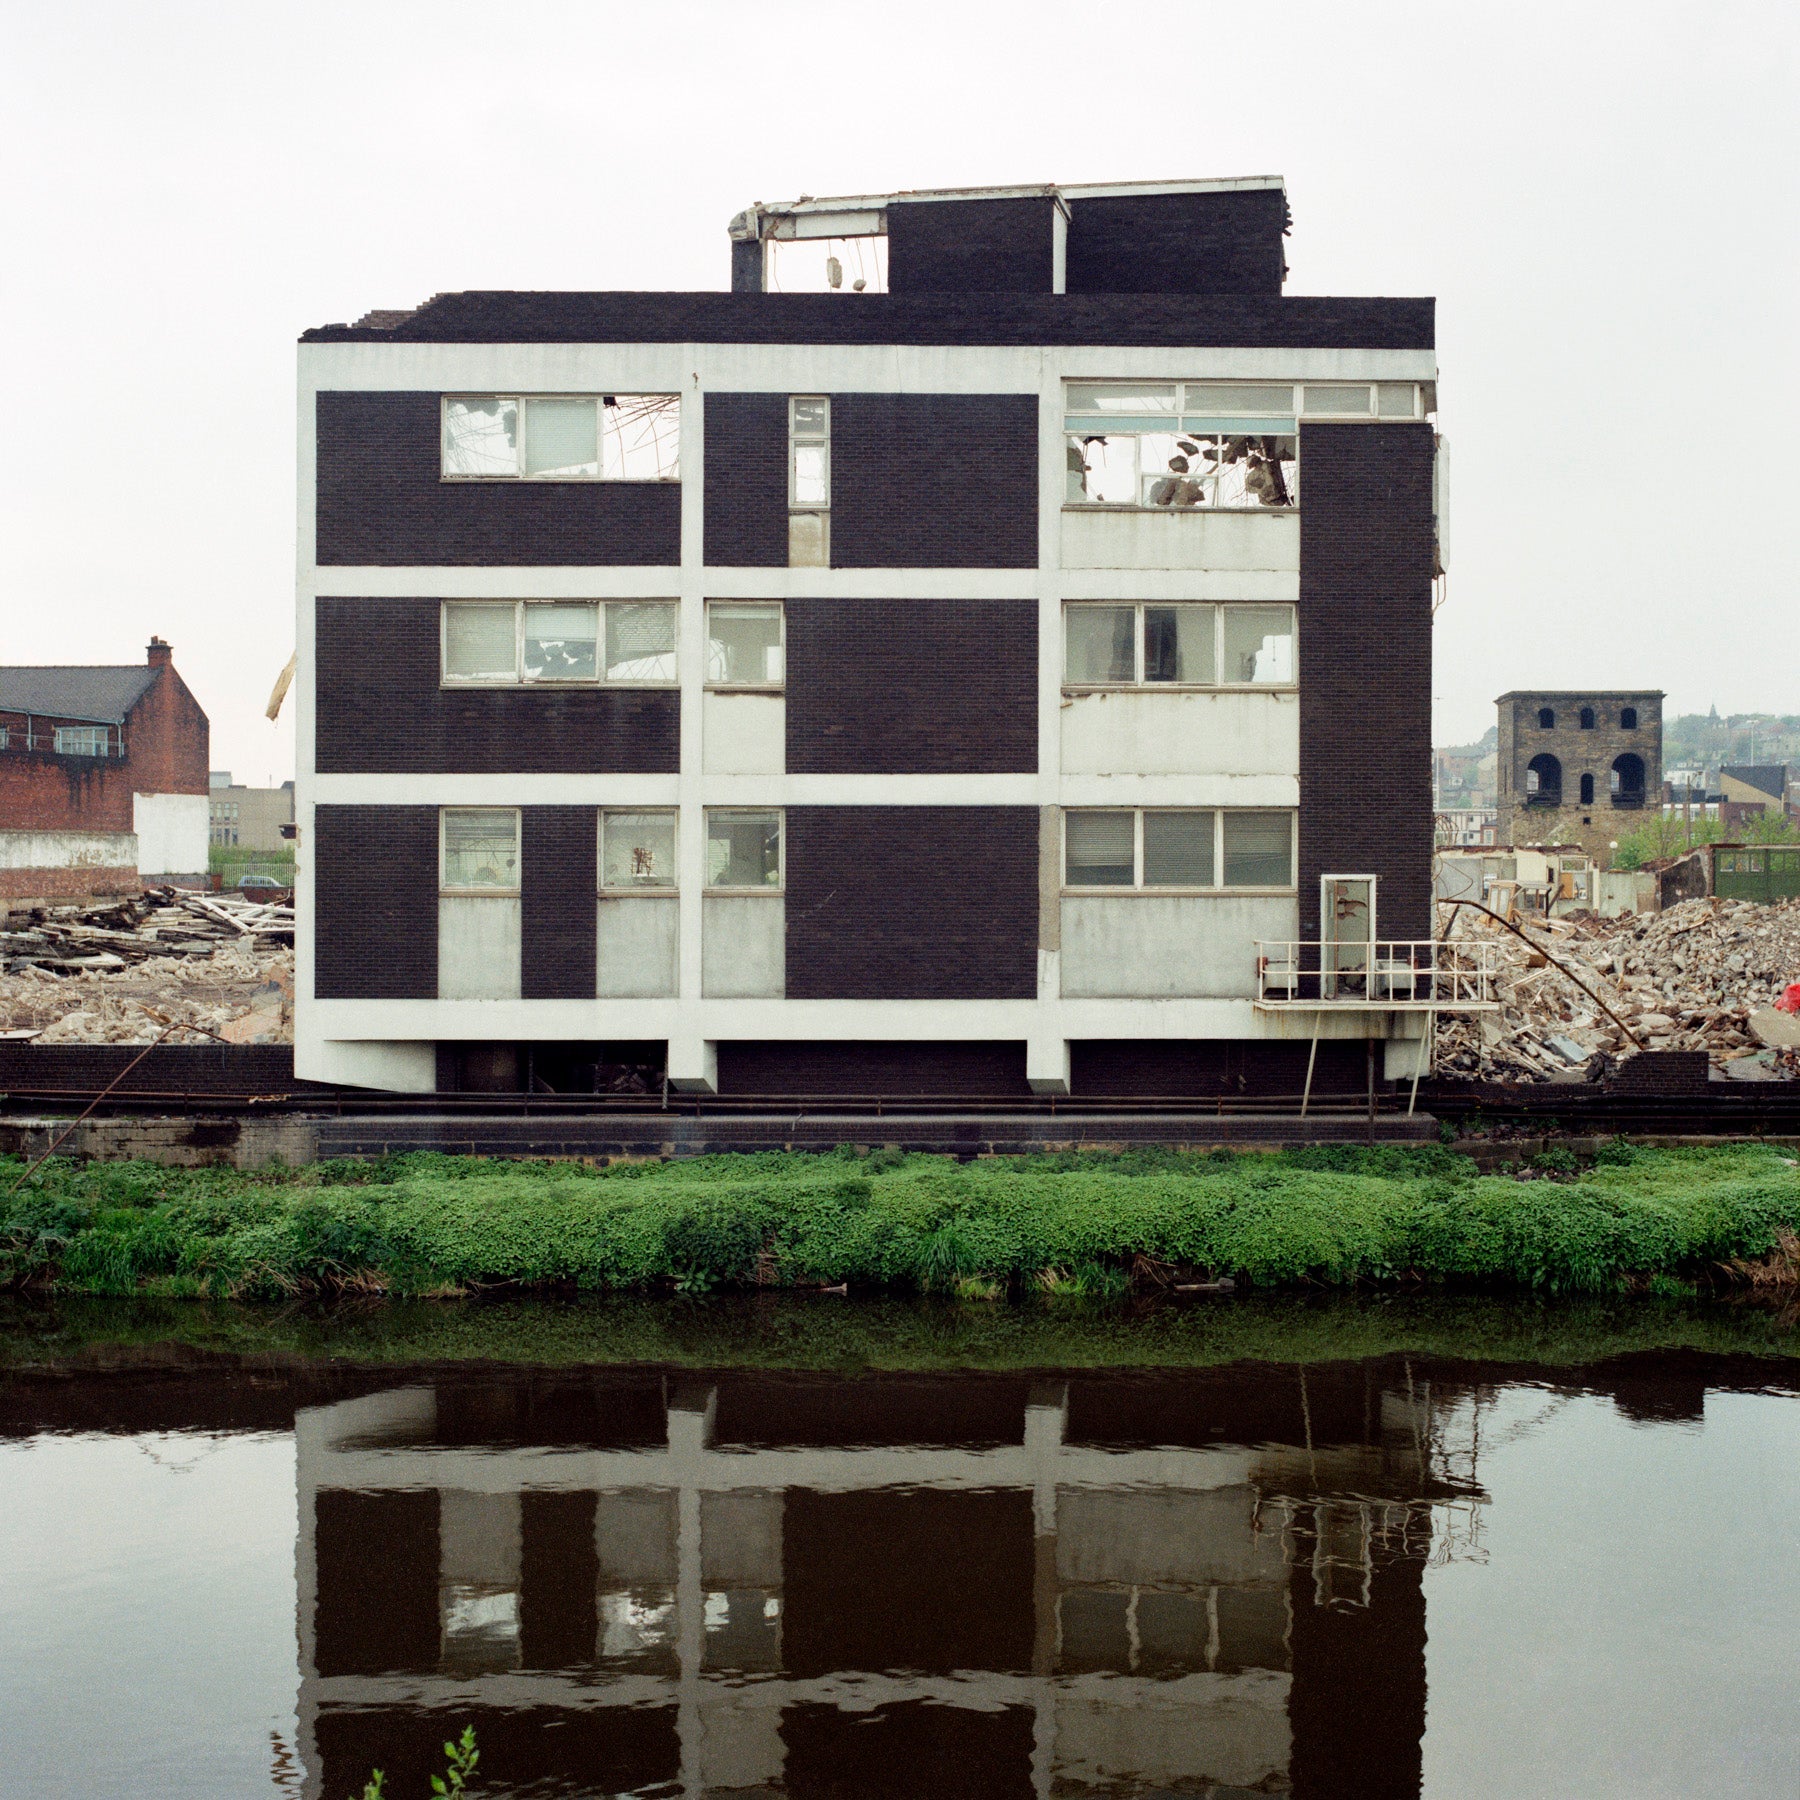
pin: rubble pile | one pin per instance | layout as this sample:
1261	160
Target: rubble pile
1704	975
122	971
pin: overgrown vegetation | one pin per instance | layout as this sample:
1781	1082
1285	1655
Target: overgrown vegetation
1082	1224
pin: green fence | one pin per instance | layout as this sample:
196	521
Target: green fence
1762	874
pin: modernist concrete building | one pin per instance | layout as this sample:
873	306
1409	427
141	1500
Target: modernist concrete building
249	818
1578	767
1003	681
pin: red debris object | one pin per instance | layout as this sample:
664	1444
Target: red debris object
1790	999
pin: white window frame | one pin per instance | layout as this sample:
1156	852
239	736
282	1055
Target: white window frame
1217	885
653	889
95	740
1138	683
445	402
519	678
746	687
780	887
446	891
796	438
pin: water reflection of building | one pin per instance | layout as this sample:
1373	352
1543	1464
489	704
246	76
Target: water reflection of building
874	1586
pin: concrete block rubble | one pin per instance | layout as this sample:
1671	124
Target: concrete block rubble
122	971
1706	975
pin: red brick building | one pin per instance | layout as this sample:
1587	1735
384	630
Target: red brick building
91	751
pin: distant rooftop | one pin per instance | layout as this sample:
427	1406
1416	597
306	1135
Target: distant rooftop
101	694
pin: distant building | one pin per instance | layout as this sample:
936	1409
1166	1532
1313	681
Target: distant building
92	757
1578	767
1748	791
248	818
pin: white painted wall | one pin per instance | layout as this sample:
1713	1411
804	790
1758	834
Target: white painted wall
639	946
1150	733
172	833
1095	538
69	850
1148	946
745	950
744	734
478	947
403	1067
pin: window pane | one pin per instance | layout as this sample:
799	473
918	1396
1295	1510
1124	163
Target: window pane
810	417
1240	469
640	641
1168	471
560	438
481	437
1178	643
478	642
640	437
1259	643
1123	397
743	644
1099	849
743	850
481	848
637	850
1099	643
1341	397
1394	399
1259	849
1103	468
1239	396
560	643
809	475
1178	849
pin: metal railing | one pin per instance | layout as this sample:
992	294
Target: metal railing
1390	973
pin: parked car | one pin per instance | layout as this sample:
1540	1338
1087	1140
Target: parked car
260	884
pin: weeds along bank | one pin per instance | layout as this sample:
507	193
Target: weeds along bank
1062	1223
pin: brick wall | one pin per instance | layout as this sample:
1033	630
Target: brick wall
1163	1068
971	246
973	1071
381	708
1200	244
1366	538
559	876
375	902
168	741
746	480
934	481
911	686
382	500
1597	823
912	902
168	1069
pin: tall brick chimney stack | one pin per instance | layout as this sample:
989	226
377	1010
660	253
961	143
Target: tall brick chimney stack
159	655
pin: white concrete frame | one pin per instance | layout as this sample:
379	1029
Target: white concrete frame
326	1030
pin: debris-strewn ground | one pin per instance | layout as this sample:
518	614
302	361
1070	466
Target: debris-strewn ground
120	971
1705	975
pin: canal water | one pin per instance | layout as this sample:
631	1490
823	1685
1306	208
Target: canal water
233	1571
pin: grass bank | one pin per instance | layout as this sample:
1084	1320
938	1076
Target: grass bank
1081	1225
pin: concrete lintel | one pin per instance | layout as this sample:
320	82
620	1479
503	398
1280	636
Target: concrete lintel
1047	1065
694	1065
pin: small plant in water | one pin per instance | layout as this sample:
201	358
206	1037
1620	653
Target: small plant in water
460	1758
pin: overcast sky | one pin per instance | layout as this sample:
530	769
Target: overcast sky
1602	197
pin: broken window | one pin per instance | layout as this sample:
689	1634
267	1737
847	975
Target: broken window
743	850
1627	780
480	849
1211	444
500	642
1188	644
809	481
1628	718
637	851
1546	719
1587	790
81	740
562	437
744	645
1152	848
1543	782
1587	718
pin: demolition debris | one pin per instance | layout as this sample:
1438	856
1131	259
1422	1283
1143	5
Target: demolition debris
1708	975
121	972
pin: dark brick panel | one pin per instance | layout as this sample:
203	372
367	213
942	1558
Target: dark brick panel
1175	1069
911	686
926	481
382	500
375	897
559	869
971	246
1212	245
382	709
221	1069
886	1070
912	902
746	480
1366	542
1175	320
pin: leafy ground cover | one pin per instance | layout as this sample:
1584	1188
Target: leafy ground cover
1068	1224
